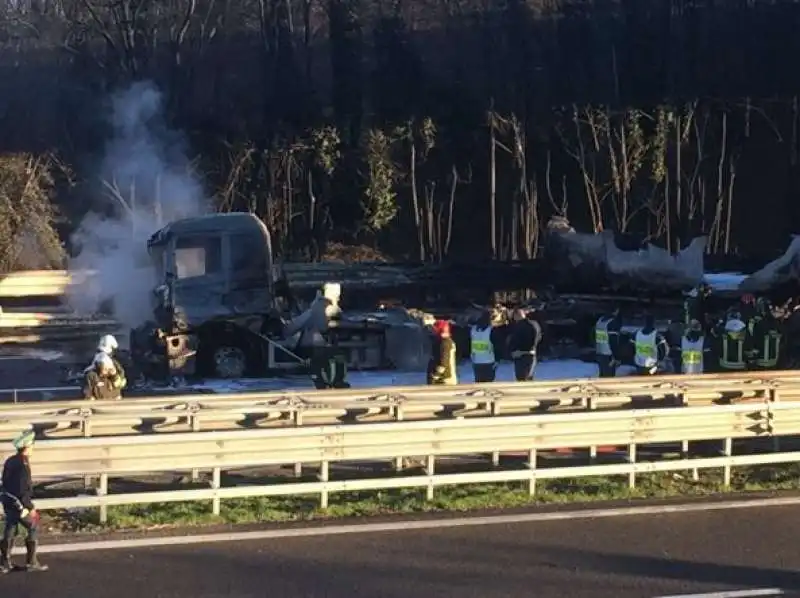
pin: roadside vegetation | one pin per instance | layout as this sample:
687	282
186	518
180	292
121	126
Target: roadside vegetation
446	499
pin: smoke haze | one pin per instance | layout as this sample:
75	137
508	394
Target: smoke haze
147	182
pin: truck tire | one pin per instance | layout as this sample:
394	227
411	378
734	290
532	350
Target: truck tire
229	362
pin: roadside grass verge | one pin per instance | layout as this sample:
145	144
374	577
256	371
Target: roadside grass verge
468	497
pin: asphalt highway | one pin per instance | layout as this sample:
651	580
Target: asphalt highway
689	554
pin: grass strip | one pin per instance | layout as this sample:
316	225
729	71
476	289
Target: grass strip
465	498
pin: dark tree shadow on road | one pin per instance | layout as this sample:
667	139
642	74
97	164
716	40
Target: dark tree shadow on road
678	569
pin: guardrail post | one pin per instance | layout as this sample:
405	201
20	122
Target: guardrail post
632	460
774	398
86	428
102	490
194	420
216	483
298	421
685	455
591	404
16	398
727	450
532	467
430	464
324	475
399	416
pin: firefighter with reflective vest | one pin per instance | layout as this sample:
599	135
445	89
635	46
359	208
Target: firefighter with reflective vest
482	354
17	499
735	344
693	350
108	346
442	364
766	336
104	378
606	343
650	348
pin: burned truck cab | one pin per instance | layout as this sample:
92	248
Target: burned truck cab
214	300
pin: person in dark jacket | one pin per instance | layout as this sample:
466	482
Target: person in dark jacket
102	380
766	337
694	306
17	499
442	364
733	344
524	337
317	342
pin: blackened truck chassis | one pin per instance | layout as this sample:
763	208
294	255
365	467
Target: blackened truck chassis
235	348
217	310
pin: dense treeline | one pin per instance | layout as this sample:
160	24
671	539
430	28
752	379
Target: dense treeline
434	128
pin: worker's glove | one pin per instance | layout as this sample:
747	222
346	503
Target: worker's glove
614	363
24	513
653	370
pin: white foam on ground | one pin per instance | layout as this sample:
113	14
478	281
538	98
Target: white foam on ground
546	370
31	355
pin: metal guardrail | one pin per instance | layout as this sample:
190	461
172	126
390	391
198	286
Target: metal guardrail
242	411
37	283
322	446
16	393
54	283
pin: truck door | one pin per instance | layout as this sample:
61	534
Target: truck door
249	275
200	281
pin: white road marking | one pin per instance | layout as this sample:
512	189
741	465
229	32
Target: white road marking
399	526
733	594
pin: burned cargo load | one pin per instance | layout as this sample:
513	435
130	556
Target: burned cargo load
618	262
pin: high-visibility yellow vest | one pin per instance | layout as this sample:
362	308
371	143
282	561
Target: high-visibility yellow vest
646	355
602	345
692	356
481	348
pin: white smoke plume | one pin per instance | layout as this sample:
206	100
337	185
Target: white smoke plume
146	183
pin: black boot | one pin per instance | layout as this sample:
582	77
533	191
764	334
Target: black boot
32	563
5	556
